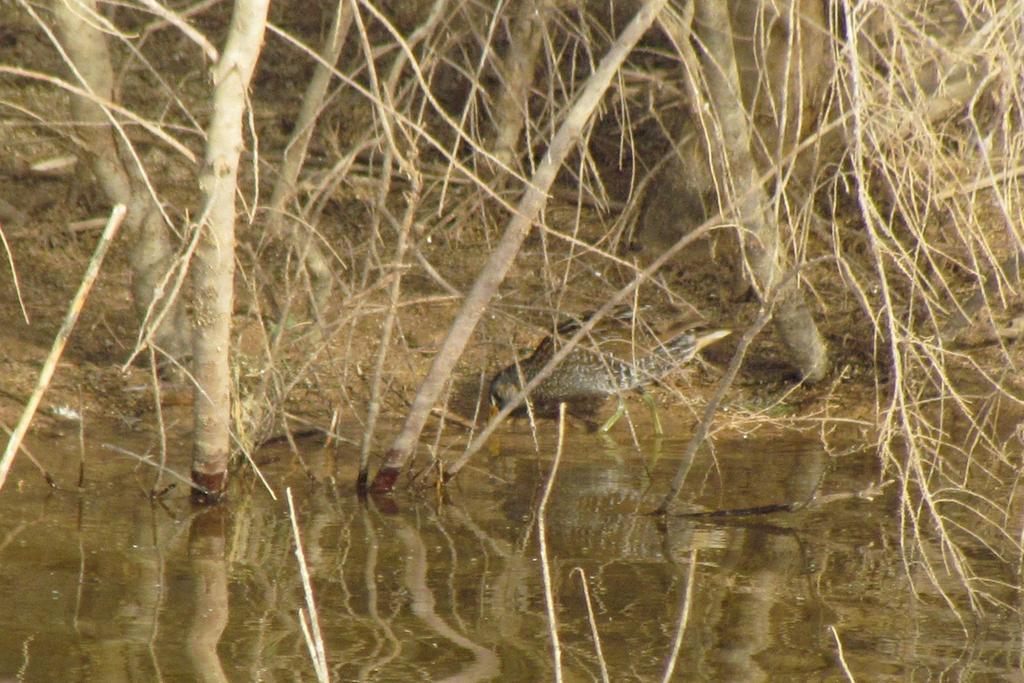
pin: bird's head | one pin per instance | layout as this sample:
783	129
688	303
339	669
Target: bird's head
504	388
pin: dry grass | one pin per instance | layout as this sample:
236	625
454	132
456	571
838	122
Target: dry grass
933	231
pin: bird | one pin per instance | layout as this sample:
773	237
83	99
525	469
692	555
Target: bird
586	378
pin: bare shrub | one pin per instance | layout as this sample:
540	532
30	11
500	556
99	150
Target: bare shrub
387	148
934	101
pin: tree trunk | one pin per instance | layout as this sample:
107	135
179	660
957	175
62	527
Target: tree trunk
213	268
737	176
152	252
313	257
517	71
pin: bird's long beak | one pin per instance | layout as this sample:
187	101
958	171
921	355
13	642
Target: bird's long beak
709	338
494	444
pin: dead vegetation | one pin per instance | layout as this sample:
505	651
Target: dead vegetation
424	192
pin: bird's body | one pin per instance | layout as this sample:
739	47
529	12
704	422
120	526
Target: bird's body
585	378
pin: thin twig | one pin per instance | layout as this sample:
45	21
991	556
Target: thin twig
14	276
701	432
28	454
409	168
593	625
179	22
159	409
839	654
314	639
684	615
549	600
146	460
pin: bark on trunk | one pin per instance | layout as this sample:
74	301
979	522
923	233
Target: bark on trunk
152	252
214	263
519	66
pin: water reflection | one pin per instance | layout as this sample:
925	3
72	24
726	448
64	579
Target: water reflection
100	585
206	548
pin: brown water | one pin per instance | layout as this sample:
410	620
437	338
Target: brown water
97	585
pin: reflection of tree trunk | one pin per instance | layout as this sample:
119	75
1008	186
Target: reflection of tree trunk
122	624
485	665
508	587
375	660
744	629
736	171
151	253
210	613
214	264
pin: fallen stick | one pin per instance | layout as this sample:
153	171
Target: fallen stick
61	340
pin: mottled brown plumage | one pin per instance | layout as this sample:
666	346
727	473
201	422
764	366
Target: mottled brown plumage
586	378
